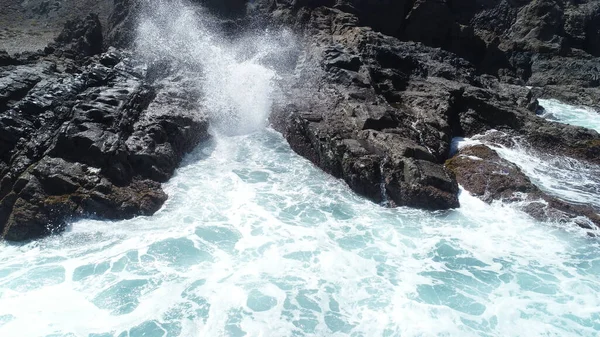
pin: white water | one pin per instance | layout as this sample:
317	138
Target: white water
255	241
567	178
568	114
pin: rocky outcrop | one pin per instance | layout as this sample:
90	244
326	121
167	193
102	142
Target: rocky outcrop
357	118
380	113
533	42
374	96
81	38
483	173
88	140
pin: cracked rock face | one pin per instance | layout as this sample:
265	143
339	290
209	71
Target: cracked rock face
374	96
380	113
88	140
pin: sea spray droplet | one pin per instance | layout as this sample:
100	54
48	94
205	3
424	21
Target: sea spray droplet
367	272
237	88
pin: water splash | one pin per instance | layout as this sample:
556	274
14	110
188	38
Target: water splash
236	77
256	241
564	177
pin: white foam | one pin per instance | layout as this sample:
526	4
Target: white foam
564	177
333	263
569	114
237	88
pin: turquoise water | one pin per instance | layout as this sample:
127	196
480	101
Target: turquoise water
256	241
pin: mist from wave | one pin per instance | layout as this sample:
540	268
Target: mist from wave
236	77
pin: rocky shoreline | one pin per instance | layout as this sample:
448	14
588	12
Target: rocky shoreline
88	133
374	96
386	110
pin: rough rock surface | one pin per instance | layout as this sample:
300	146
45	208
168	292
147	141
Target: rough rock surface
382	111
27	26
93	139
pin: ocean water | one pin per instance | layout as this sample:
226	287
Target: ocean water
570	179
564	113
256	241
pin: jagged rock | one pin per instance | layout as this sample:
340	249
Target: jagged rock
82	37
6	59
363	105
384	16
570	94
358	126
54	190
96	142
121	27
168	129
380	113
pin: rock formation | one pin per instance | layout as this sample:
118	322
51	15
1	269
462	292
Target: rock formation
374	96
385	111
87	139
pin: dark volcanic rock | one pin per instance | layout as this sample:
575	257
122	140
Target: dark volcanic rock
380	113
5	59
570	94
97	141
53	190
82	37
374	96
514	40
121	27
364	124
482	172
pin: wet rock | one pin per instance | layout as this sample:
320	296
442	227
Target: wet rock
376	96
121	26
384	16
570	94
6	59
364	125
168	129
380	113
486	175
54	190
481	171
